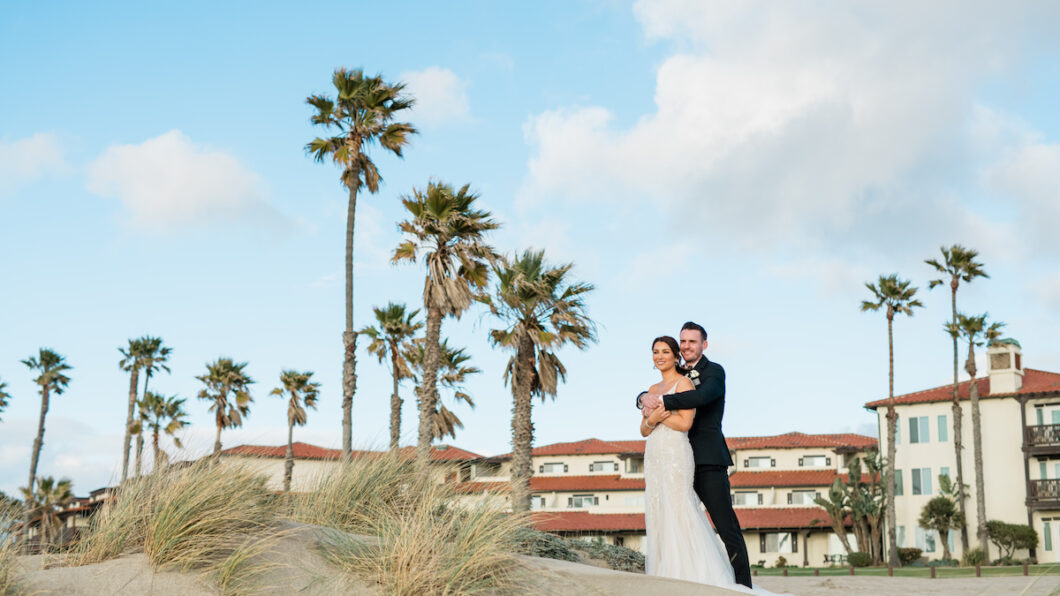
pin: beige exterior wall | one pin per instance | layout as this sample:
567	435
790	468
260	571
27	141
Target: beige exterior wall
812	549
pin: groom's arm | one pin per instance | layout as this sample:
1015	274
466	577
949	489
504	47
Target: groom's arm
711	387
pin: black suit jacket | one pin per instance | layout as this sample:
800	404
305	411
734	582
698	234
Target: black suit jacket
708	400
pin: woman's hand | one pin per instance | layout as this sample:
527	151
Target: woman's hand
658	415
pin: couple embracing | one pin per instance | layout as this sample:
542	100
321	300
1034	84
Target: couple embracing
686	462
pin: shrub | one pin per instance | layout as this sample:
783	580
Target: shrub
907	556
1010	537
860	559
781	562
618	558
542	544
943	563
973	557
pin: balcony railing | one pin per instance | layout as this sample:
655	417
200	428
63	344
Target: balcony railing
1042	435
1044	491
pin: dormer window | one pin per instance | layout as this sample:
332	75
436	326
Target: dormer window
814	461
553	468
759	462
603	466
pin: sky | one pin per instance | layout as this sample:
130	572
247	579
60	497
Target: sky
746	165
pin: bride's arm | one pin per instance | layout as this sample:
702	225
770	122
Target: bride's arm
680	420
652	419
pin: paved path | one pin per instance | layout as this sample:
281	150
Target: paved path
910	586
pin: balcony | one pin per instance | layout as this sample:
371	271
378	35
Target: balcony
1044	494
1041	439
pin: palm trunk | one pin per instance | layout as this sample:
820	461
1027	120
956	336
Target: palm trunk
134	382
944	536
428	389
288	464
140	435
217	441
349	336
977	445
522	426
154	445
395	402
892	451
874	531
957	420
38	442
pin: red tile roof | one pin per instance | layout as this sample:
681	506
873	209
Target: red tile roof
744	479
801	440
783	518
585	447
583	521
307	451
1035	382
559	483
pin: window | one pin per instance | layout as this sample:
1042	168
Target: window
1047	535
918	430
1043	470
537	502
815	461
783	542
637	501
620	541
802	497
1039	415
582	501
921	481
759	462
899	538
603	466
635	466
747	498
944	431
898	483
553	468
925	540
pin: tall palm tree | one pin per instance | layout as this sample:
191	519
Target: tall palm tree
976	331
390	340
453	371
541	309
303	393
448	233
4	397
361	114
161	414
132	359
52	379
47	501
228	391
896	297
958	263
155	356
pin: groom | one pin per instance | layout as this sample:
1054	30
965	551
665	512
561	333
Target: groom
711	481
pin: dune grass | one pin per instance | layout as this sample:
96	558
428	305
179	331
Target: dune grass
9	580
202	516
425	540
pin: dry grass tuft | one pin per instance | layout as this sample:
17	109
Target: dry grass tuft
9	582
428	543
202	516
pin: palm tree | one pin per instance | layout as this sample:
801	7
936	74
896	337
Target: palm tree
227	390
52	379
4	397
47	501
448	233
361	114
161	414
390	339
896	295
131	362
971	329
541	309
303	393
453	370
941	514
155	356
958	263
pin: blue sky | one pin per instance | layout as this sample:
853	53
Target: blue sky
745	165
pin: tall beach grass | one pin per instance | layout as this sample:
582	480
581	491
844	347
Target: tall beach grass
9	580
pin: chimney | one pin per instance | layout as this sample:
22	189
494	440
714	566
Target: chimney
1006	366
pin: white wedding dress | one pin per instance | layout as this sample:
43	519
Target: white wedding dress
681	543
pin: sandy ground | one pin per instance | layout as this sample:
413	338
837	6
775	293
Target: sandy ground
910	586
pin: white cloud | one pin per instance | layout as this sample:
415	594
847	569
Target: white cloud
169	181
441	96
1029	174
1047	290
30	158
792	122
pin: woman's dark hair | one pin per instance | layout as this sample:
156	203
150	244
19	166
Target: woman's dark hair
672	344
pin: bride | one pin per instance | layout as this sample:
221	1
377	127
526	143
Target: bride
681	543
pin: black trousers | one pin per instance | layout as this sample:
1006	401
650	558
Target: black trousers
711	484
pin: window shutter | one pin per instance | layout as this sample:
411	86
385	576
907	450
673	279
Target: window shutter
596	500
794	542
761	543
570	501
800	462
591	467
564	467
746	463
789	498
827	461
772	462
760	497
541	468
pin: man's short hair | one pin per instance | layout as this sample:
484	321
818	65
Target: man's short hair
690	326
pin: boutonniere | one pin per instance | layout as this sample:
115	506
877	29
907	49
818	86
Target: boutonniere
692	374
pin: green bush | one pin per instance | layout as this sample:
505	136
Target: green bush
542	544
1010	537
973	557
943	563
859	559
781	563
908	556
